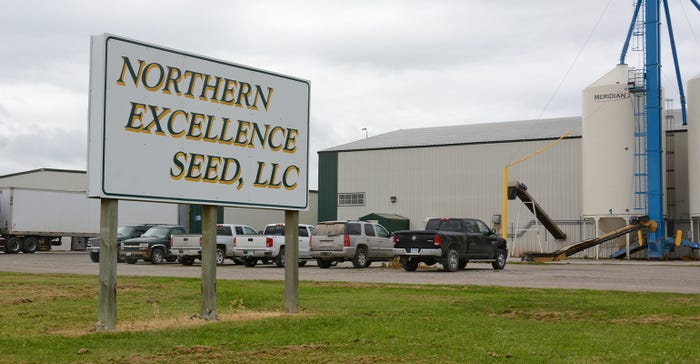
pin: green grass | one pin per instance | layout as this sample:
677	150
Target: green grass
51	319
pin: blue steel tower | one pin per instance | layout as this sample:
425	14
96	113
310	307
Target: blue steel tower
659	245
655	169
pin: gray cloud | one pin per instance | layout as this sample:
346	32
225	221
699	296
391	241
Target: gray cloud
382	65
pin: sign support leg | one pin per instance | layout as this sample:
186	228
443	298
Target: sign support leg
291	267
107	300
208	304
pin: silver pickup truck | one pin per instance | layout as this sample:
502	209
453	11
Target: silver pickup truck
271	244
187	248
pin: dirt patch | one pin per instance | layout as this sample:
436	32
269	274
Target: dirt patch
178	322
40	293
542	315
675	321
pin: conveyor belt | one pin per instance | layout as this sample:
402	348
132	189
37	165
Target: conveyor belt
569	250
517	189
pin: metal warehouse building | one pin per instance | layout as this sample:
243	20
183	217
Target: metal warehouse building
457	171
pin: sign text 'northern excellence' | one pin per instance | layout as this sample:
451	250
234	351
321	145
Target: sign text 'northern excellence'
181	127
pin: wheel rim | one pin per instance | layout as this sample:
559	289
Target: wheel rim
219	257
501	259
31	244
157	256
14	245
362	258
453	260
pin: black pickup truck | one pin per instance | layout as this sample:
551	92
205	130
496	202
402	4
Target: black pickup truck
452	242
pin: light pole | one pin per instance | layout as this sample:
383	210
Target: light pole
366	133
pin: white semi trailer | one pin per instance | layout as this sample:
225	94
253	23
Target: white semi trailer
36	219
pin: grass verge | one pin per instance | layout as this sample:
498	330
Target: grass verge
51	318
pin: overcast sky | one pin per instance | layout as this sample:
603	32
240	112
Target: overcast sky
380	65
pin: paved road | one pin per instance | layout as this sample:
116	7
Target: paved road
642	276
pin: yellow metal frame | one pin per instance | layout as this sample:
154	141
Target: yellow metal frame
504	222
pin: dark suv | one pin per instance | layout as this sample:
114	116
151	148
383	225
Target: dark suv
153	245
123	233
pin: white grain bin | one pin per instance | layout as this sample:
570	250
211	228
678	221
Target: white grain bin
608	146
694	145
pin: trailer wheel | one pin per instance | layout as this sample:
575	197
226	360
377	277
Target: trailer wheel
30	245
13	245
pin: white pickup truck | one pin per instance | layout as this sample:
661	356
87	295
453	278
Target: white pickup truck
187	248
270	246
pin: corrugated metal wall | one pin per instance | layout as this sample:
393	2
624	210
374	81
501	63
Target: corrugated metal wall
465	180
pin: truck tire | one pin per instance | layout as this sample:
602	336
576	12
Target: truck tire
237	261
463	263
186	260
30	245
157	256
500	261
95	257
220	256
411	265
451	263
13	245
250	262
281	258
323	264
360	259
131	260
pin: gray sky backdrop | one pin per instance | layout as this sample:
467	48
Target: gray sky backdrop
380	65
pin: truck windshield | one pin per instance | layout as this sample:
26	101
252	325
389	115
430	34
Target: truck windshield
126	231
446	225
157	232
224	230
274	230
330	229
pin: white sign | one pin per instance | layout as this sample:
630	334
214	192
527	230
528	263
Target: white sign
167	125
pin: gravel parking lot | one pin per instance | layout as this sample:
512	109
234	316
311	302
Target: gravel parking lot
642	276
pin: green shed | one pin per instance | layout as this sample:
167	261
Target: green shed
392	222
